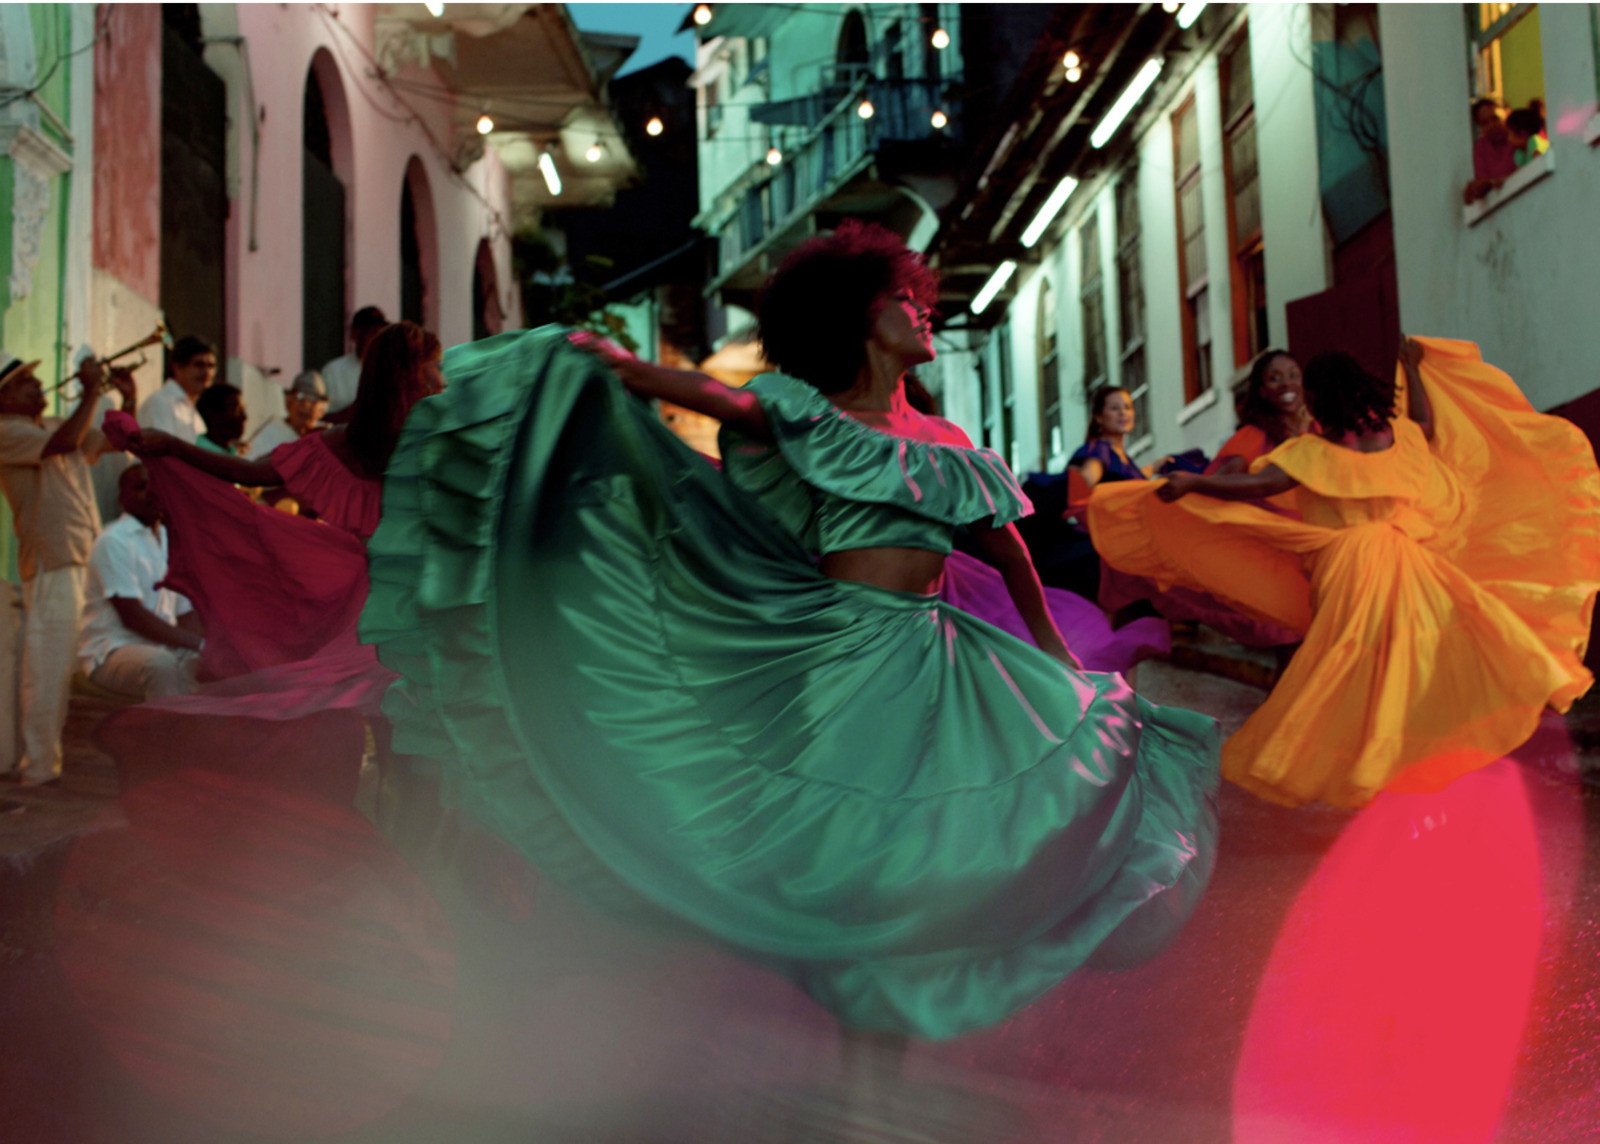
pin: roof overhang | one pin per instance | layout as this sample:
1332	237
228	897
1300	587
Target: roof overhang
542	83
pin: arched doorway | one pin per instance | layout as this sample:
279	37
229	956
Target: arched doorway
419	249
852	56
325	162
487	316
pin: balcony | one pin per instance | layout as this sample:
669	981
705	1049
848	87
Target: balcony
844	164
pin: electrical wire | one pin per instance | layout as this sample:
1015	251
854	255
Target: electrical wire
16	95
499	226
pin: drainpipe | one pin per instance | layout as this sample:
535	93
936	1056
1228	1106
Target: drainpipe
242	46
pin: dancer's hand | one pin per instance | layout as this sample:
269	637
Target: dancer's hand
152	443
1178	485
1064	654
605	349
1411	353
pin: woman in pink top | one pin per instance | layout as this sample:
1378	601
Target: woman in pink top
281	594
337	473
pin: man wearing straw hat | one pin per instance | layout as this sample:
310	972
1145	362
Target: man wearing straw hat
44	473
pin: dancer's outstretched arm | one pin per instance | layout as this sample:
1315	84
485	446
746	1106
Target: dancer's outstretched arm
683	387
235	470
1269	482
1411	354
1005	550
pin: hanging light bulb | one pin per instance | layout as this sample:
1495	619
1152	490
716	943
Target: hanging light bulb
940	39
939	119
655	126
485	124
774	156
865	109
1074	75
1071	60
594	152
702	14
435	9
1170	6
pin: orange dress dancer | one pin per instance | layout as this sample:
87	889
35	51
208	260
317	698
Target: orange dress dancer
1445	587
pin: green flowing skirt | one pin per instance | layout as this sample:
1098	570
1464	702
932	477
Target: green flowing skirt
628	671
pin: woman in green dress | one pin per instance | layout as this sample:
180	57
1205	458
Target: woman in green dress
733	702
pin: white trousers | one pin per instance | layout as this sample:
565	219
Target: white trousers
52	608
148	671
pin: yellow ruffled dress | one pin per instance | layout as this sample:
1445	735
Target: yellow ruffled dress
1445	590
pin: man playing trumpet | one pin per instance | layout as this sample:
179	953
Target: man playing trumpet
44	472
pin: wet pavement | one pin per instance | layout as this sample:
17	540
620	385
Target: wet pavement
1427	972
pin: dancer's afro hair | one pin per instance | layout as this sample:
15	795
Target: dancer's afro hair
1344	398
817	310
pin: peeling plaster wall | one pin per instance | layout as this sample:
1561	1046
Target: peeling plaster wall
127	160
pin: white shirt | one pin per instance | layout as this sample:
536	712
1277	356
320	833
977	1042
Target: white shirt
170	410
274	433
342	376
127	563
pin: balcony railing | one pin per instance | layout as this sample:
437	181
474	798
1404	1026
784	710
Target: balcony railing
829	156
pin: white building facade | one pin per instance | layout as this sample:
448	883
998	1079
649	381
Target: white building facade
1245	215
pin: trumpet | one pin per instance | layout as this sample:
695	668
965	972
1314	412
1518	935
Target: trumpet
158	336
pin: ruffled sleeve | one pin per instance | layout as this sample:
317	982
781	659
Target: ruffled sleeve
315	477
832	451
1400	472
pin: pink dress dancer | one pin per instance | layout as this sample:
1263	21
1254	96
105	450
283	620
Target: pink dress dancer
280	596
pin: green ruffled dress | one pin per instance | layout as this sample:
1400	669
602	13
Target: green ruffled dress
629	667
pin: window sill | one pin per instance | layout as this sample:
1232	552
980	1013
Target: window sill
1527	175
1198	406
1591	133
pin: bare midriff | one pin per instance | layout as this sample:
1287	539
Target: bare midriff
897	569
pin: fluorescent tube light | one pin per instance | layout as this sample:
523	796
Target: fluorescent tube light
547	168
1126	102
1047	213
998	279
1190	12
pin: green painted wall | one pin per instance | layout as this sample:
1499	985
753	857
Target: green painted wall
31	326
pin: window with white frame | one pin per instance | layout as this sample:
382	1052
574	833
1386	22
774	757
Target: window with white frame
1192	278
1130	301
712	102
986	414
1507	57
1248	271
1008	444
1092	306
1050	428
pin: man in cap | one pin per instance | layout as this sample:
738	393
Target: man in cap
343	374
44	473
304	404
192	363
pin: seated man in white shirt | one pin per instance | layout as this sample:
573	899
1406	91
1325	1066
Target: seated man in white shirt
343	374
193	364
304	404
137	639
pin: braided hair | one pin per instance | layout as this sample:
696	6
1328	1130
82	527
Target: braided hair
1344	398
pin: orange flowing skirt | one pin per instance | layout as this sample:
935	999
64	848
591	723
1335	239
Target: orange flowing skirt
1445	589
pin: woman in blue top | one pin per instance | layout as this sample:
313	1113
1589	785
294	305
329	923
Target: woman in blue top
1102	456
732	701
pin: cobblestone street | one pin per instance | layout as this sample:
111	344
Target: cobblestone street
563	1027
